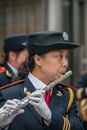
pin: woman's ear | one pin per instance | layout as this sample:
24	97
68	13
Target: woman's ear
37	59
12	55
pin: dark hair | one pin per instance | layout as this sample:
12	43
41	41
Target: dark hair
2	59
25	68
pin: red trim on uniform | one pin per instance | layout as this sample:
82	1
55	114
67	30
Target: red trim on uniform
11	84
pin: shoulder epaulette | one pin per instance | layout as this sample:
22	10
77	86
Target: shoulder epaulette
71	98
70	89
8	73
2	69
11	84
69	86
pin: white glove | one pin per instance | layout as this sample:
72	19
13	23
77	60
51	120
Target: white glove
10	104
37	100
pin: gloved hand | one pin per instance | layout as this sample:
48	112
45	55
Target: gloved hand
37	100
10	104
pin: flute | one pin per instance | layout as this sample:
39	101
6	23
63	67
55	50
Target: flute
25	101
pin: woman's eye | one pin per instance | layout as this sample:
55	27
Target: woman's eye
67	56
60	56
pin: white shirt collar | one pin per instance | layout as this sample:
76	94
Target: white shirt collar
36	82
13	69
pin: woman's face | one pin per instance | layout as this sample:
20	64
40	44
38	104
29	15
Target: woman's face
17	58
52	65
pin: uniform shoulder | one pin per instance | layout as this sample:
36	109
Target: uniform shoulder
4	72
70	90
67	86
12	84
12	90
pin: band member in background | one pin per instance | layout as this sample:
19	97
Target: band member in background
15	49
81	95
54	109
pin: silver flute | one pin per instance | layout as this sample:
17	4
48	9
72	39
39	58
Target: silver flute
25	101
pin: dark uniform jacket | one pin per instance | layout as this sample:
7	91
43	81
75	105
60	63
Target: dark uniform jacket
30	119
2	100
6	76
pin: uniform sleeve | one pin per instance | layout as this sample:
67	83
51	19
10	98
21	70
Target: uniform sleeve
58	122
69	122
68	119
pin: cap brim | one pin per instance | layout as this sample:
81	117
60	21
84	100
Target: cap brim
67	45
11	47
37	49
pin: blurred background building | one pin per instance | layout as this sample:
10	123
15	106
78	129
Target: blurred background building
28	16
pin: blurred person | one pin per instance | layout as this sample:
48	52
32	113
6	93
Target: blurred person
82	97
82	83
81	93
15	49
2	59
4	106
48	61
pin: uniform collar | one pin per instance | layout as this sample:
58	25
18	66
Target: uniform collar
36	82
13	69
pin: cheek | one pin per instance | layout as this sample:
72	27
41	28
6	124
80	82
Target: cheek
51	65
52	68
19	60
67	63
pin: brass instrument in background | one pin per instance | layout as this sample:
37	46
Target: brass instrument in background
25	101
81	96
83	109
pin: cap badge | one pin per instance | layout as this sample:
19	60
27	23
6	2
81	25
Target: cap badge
24	43
65	36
